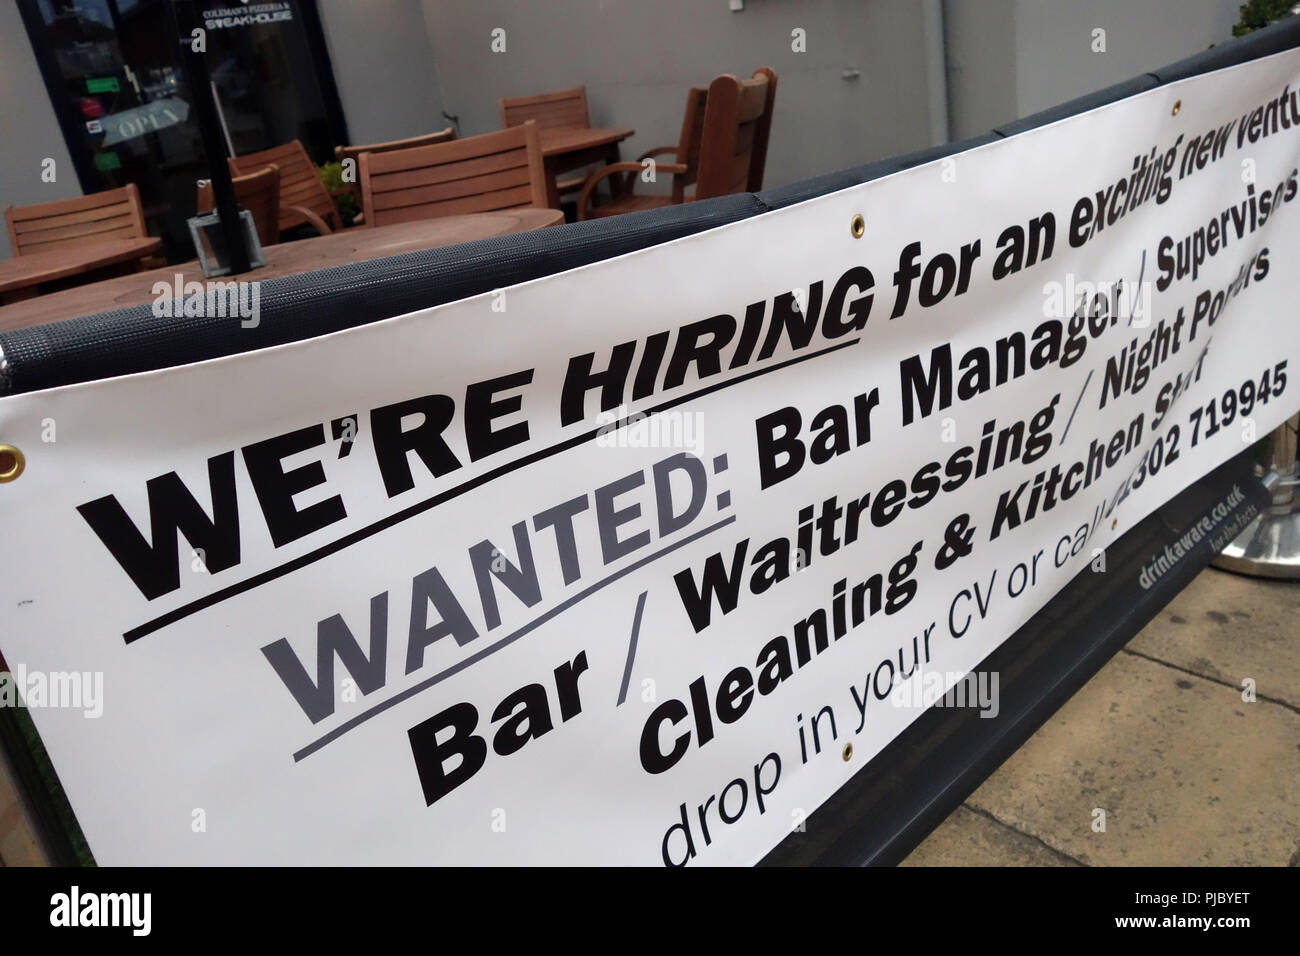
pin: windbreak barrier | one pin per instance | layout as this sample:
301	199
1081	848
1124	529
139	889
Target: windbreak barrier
643	560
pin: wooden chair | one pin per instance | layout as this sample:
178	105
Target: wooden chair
259	193
563	109
722	149
112	214
686	156
501	170
303	197
344	153
733	151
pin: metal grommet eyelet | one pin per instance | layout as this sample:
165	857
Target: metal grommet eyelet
848	752
1178	105
858	226
12	463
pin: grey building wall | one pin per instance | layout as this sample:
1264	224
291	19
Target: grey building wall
980	44
1054	58
384	69
31	133
1011	58
637	59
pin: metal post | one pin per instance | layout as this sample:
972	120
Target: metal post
1269	547
209	122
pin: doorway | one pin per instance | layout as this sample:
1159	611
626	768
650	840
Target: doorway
115	77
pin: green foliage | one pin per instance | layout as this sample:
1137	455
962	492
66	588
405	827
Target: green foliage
331	174
1256	14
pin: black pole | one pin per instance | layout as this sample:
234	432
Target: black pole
214	149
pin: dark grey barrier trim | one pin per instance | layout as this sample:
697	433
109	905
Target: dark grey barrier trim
782	196
1278	38
1103	97
301	307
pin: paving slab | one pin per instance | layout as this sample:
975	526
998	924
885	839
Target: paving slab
1229	627
1187	774
969	837
18	846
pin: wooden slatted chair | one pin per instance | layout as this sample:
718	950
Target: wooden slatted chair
111	214
344	153
501	170
259	193
737	121
683	169
562	109
722	149
303	197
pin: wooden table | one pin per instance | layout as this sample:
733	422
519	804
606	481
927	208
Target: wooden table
21	276
286	259
569	148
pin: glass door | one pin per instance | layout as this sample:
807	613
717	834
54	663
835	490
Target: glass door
116	79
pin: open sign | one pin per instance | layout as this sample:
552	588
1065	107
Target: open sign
139	120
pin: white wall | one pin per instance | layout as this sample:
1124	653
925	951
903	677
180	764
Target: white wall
637	60
980	39
384	69
31	133
1012	58
1054	57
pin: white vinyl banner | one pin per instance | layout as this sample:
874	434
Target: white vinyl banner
640	562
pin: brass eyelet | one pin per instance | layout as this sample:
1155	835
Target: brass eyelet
12	463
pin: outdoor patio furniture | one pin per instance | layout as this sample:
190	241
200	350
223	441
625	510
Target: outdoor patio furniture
683	169
722	149
344	153
284	259
561	109
259	193
501	170
25	277
66	223
303	197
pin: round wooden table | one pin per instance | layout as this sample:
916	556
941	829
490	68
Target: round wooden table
290	258
21	276
568	148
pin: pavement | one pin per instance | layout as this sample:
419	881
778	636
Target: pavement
1158	760
18	846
